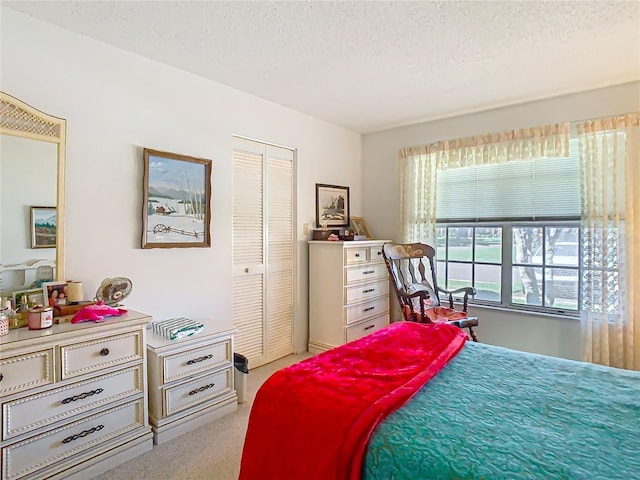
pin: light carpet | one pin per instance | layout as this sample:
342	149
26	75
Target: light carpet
210	452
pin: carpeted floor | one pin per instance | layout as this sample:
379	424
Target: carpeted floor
210	452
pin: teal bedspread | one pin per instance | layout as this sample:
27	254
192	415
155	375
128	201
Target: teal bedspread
493	413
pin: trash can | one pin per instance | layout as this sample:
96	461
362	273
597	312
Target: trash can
240	375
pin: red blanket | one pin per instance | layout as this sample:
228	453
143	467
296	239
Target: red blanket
313	420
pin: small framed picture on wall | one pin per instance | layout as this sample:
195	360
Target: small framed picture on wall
44	221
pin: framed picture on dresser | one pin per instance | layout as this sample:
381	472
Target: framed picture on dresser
359	226
332	206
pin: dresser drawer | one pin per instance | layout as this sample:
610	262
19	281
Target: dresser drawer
100	353
368	290
356	255
195	360
41	452
375	254
365	328
193	392
23	372
28	413
364	273
361	311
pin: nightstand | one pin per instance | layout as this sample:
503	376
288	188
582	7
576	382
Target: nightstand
190	381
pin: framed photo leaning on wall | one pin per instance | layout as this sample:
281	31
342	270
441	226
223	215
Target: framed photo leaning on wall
359	227
332	206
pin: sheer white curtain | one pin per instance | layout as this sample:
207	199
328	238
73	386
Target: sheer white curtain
418	179
419	168
610	191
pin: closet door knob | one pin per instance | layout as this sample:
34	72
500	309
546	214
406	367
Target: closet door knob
104	352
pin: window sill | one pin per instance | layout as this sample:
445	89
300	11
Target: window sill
518	311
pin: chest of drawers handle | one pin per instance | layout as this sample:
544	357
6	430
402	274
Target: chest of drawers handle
104	352
82	434
202	389
368	309
369	290
1	377
200	359
369	327
368	272
82	395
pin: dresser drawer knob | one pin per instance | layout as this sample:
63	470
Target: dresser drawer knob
200	359
379	253
82	434
201	389
82	395
368	272
104	352
369	309
369	327
369	290
1	377
357	255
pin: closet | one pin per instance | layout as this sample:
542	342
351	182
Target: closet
263	250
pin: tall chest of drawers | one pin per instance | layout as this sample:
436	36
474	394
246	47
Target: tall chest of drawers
190	381
74	398
348	292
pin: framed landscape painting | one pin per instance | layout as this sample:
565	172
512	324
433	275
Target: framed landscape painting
44	222
332	206
176	206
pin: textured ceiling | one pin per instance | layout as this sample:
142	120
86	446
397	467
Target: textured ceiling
373	65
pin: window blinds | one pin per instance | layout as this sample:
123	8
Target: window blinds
539	189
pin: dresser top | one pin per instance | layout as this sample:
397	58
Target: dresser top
160	343
24	336
350	243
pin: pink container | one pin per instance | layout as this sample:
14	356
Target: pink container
40	317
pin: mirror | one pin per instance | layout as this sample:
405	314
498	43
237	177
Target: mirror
32	194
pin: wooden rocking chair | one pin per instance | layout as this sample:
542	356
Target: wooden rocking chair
412	269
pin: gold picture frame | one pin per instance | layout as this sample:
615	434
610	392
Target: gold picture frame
359	226
176	205
43	227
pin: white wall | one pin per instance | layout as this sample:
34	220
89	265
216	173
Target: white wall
380	196
116	104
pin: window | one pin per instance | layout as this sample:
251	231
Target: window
532	265
511	231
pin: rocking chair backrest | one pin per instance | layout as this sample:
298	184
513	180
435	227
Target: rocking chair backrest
410	264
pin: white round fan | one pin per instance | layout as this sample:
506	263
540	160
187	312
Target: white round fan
113	290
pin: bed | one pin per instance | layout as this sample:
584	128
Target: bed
416	401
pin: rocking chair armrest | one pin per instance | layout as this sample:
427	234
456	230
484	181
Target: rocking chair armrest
407	297
466	322
465	299
466	290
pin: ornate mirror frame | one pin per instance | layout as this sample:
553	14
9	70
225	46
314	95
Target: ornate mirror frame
22	120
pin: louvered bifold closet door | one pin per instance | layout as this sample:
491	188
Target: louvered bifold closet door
263	250
279	311
248	251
